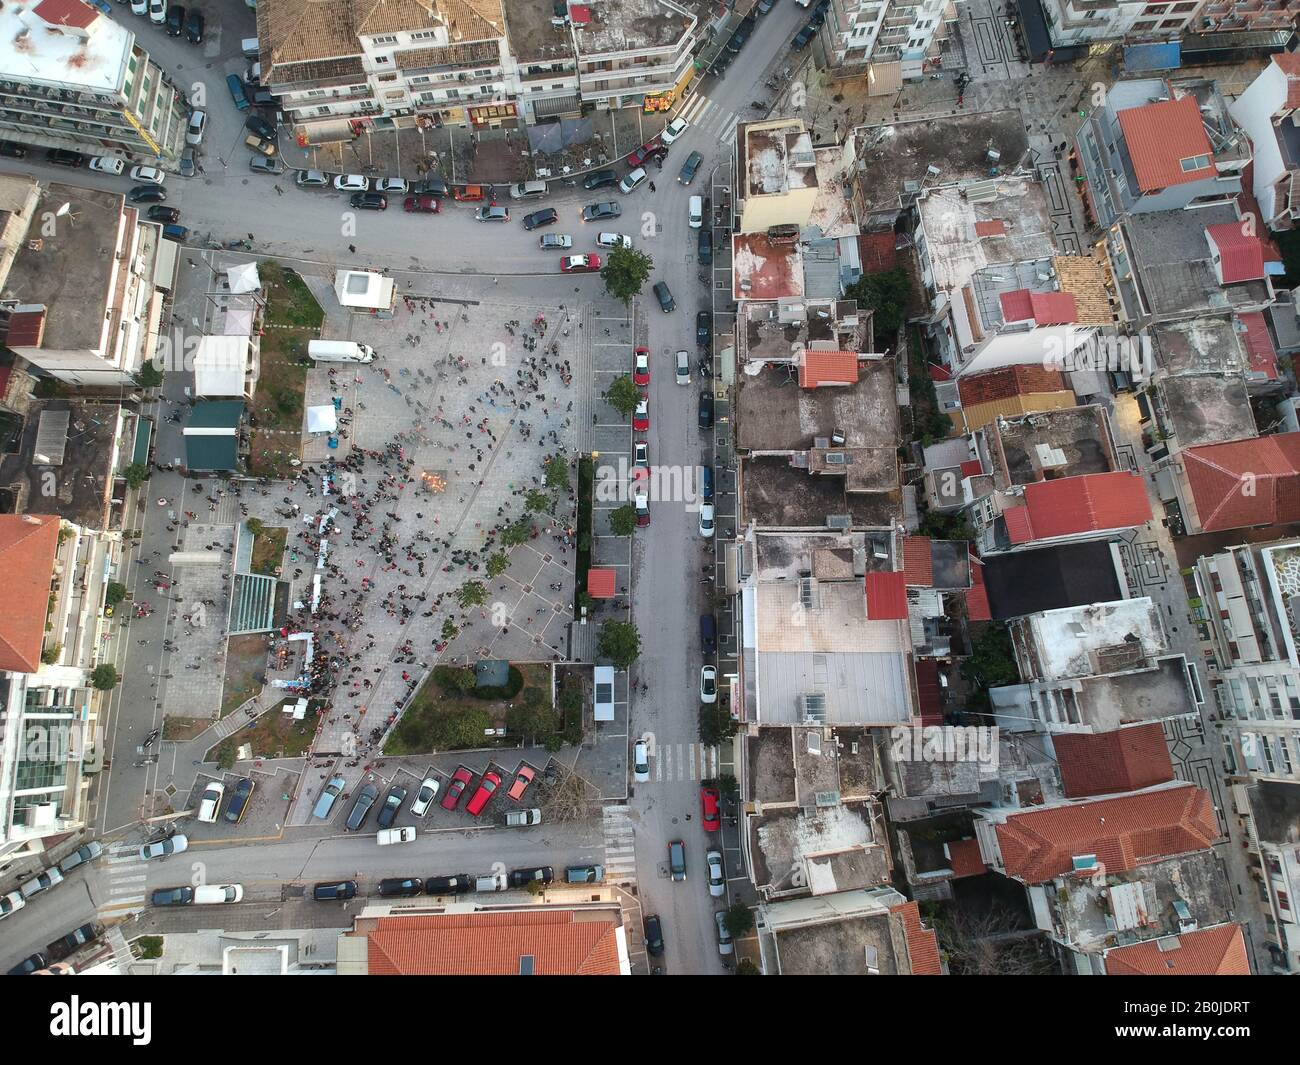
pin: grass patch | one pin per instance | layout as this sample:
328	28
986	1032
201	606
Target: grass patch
289	300
445	716
182	729
268	550
147	948
273	735
293	318
245	670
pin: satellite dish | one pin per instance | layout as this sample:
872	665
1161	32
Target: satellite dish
63	210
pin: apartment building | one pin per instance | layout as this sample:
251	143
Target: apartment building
1075	23
1270	812
71	77
888	41
1269	112
629	50
1216	16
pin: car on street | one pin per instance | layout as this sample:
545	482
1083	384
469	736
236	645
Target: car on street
706	520
524	776
11	903
633	180
600	179
424	797
543	875
311	179
260	164
717	874
579	264
704	248
64	157
236	87
641	415
431	186
705	418
689	168
74	940
146	194
598	212
683	369
218	894
640	455
107	164
459	782
459	884
210	803
764	6
31	964
641	366
351	183
584	874
665	297
189	164
329	796
703	329
361	807
165	215
469	193
334	890
369	201
641	507
708	685
613	240
421	204
197	124
392	803
194	26
42	881
489	783
709	809
148	175
545	217
640	761
240	800
724	933
554	241
802	38
488	213
695	212
741	37
673	130
175	20
677	860
139	7
395	185
172	896
400	887
642	155
13	150
654	935
87	852
158	12
257	124
164	848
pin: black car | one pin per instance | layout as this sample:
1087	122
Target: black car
704	251
166	215
239	800
13	150
654	935
687	173
400	887
172	896
261	127
369	201
392	803
194	27
523	877
739	38
600	179
264	98
706	410
63	157
30	965
431	187
335	890
703	329
147	194
361	807
459	884
541	218
665	297
802	38
73	941
175	20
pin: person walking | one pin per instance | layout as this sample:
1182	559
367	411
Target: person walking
652	186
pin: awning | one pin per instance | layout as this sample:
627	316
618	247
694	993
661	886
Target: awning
243	278
600	583
884	78
1167	55
211	452
164	265
554	106
143	434
322	419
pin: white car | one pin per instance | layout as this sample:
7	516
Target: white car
724	933
352	183
695	212
107	164
640	761
210	804
158	12
673	130
683	368
641	503
717	876
632	180
708	684
706	519
194	131
640	455
216	894
424	797
394	185
641	363
42	881
164	848
11	903
139	7
613	240
148	175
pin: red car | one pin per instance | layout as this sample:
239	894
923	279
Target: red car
641	416
490	782
526	775
459	782
641	367
579	264
642	154
421	204
709	807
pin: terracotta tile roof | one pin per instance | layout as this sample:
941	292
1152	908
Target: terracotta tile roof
560	942
600	583
1122	833
1289	64
1159	136
1070	505
993	227
1016	306
1245	482
964	858
977	598
1217	951
1241	255
922	943
66	13
1258	343
979	415
28	544
1084	278
971	468
1054	308
878	251
929	698
1102	763
886	596
828	368
938	372
918	562
1007	382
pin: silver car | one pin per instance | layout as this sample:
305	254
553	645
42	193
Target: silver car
164	848
724	933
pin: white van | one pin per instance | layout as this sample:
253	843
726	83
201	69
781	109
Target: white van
339	351
491	882
695	210
603	677
250	48
385	836
212	894
524	818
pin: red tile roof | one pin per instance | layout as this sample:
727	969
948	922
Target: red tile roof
922	943
1016	306
828	368
886	596
993	227
1102	763
1007	382
1241	255
67	13
929	699
878	251
28	544
1122	833
938	372
1258	343
918	562
977	598
1289	63
560	942
1245	482
1054	308
1068	506
1159	136
964	858
1217	951
971	468
600	583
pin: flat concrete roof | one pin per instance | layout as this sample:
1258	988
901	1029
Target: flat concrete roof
1099	638
779	491
1207	408
1080	434
1207	344
774	414
761	270
37	52
631	26
533	36
778	158
775	330
836	848
827	556
1107	702
816	937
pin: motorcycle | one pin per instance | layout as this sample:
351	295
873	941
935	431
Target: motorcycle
149	739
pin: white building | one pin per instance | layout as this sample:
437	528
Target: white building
890	41
1269	112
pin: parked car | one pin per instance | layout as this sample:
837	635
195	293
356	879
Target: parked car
369	201
695	212
175	20
31	964
724	933
194	26
431	186
424	797
400	887
665	297
641	415
210	803
197	124
524	776
598	212
311	179
764	6
706	520
392	803
600	179
459	782
641	508
677	860
470	193
654	935
189	164
42	881
708	684
640	455
689	168
703	329
584	874
351	183
236	88
613	240
13	150
704	248
261	127
642	155
709	807
139	7
107	164
486	786
491	882
459	884
177	233
554	241
172	896
11	903
706	409
421	204
361	807
262	165
260	145
543	875
329	796
218	894
158	12
524	818
164	848
802	38
579	264
682	373
633	180
142	194
396	185
673	130
166	215
87	852
334	891
64	157
240	800
489	213
545	217
528	190
717	874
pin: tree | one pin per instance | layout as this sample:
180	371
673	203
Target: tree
114	593
625	273
136	474
728	784
517	532
104	678
536	501
623	520
450	630
623	395
745	967
255	526
459	728
532	715
990	941
557	473
716	724
619	642
51	654
886	295
497	564
471	593
738	920
991	664
149	376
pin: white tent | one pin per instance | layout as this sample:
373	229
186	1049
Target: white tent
220	366
364	291
243	277
322	419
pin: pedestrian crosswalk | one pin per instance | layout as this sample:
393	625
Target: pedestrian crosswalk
126	881
620	849
711	119
683	761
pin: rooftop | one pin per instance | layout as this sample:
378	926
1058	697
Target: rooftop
1081	641
1011	391
825	556
856	933
786	491
1205	344
533	35
1205	952
1103	763
1078	505
629	26
1111	701
1215	474
822	850
1167	143
89	51
774	415
1275	809
762	270
1205	408
28	545
776	330
1049	577
778	157
1055	443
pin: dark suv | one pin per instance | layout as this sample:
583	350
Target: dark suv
601	179
703	329
175	20
400	887
63	157
369	201
335	890
459	884
706	410
544	217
